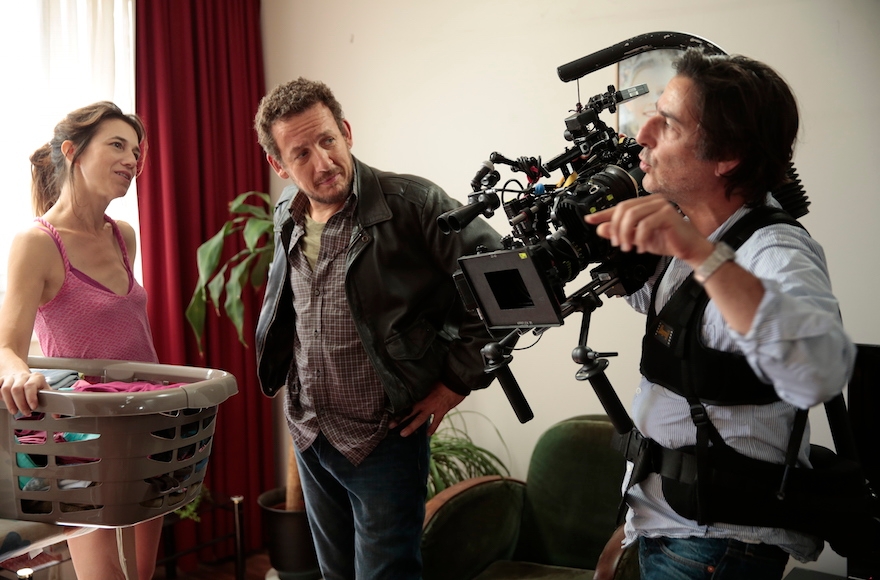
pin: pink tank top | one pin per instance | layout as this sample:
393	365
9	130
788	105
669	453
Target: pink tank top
86	320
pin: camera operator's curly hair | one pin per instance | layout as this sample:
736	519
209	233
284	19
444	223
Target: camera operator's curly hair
290	99
746	112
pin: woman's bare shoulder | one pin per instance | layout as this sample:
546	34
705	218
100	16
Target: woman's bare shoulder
34	238
34	258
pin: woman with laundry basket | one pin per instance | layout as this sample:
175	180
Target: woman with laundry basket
70	280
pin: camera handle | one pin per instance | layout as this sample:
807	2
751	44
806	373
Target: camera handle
498	358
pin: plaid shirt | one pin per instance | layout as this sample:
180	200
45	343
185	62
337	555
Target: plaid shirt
336	390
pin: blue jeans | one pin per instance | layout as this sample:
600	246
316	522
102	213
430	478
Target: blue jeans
367	520
709	558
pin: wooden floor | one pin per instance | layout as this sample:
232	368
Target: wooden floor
255	569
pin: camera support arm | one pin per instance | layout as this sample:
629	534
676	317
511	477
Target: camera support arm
593	364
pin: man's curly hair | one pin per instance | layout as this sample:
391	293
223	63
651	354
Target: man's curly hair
290	99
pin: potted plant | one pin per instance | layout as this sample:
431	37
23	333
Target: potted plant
253	221
286	529
454	455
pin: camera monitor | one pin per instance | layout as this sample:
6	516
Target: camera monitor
510	291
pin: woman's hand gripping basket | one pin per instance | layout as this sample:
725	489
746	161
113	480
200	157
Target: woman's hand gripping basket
111	459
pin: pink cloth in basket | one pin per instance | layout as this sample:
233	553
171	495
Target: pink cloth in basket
120	386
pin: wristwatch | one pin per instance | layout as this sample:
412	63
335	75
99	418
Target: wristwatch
722	253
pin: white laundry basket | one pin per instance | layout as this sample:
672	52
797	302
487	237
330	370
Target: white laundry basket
145	453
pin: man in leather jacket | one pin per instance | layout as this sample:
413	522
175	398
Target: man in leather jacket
364	330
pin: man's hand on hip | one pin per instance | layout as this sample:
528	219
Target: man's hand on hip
432	408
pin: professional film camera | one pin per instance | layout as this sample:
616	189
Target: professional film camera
521	287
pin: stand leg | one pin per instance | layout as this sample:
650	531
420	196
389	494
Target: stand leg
237	508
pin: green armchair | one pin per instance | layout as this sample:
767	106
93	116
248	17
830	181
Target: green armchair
559	524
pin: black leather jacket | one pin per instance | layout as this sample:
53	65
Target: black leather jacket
398	283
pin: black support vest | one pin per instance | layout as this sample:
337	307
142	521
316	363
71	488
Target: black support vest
673	354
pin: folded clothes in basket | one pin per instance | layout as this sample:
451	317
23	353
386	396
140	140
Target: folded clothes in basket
59	378
36	461
69	380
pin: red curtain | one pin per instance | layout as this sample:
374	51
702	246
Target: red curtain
199	79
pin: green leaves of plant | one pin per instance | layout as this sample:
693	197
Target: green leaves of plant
455	457
254	223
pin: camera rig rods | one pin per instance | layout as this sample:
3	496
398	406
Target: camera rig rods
593	364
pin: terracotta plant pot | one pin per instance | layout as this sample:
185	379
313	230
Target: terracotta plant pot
288	538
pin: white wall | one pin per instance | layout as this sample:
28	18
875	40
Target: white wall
433	87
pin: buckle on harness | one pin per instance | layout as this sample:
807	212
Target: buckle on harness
631	444
638	449
699	415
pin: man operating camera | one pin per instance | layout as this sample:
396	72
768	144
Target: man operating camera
722	139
